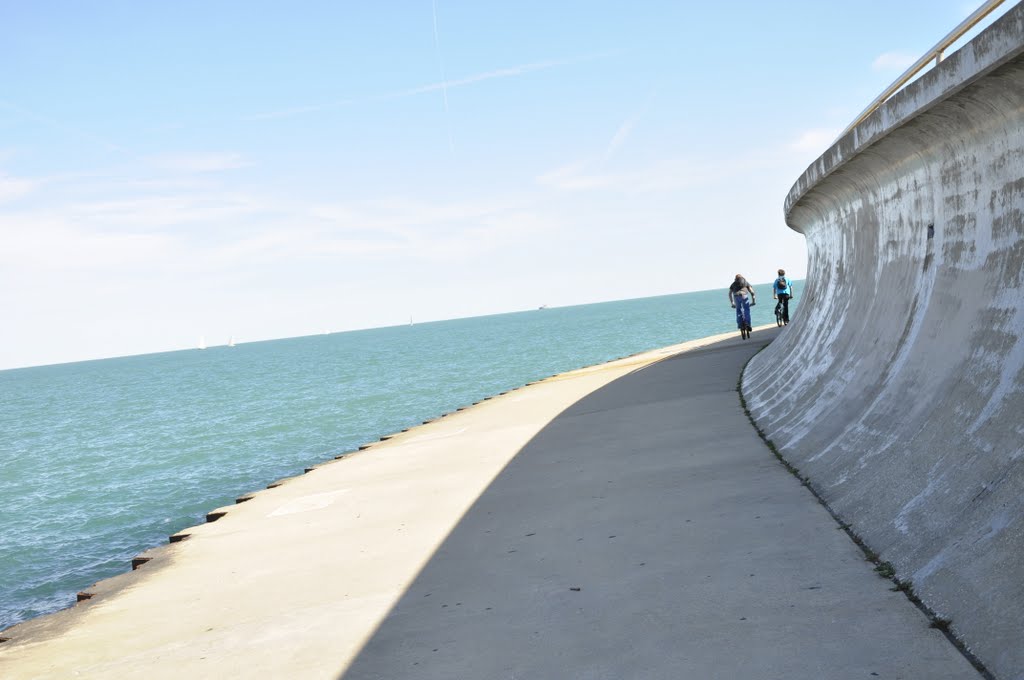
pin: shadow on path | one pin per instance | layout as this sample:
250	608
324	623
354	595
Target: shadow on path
647	532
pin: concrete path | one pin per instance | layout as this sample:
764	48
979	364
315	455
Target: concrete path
647	532
621	521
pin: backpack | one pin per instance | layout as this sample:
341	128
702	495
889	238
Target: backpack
781	283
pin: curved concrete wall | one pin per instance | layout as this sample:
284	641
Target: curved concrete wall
899	389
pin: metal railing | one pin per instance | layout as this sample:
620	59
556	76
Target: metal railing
934	53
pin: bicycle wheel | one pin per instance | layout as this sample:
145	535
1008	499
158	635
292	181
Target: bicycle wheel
778	315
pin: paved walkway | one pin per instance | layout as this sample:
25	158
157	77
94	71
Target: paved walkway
647	532
622	521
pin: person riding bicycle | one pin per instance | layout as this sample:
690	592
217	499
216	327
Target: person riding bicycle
782	290
738	300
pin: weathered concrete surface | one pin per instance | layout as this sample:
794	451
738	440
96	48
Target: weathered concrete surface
648	532
899	388
695	555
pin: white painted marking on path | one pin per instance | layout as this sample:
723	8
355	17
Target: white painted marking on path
317	501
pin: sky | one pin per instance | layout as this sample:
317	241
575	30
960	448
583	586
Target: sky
192	169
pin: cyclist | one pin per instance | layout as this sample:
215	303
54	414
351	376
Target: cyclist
738	299
782	290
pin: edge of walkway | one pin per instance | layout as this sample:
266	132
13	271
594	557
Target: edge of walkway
264	560
884	568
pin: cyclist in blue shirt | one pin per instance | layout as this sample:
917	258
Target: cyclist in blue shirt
782	290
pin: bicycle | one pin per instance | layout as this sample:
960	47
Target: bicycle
780	312
745	330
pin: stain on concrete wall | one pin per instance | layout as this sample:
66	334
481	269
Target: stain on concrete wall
899	388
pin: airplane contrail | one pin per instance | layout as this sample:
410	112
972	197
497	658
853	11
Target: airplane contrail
67	129
444	86
444	79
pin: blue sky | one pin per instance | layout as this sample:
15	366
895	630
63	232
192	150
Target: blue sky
262	170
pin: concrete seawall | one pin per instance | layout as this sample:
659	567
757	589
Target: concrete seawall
899	390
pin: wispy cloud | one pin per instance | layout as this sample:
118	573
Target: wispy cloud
301	110
160	225
619	138
589	173
397	213
893	61
52	242
575	176
147	212
199	162
489	75
814	140
444	85
664	175
14	187
60	126
442	232
626	128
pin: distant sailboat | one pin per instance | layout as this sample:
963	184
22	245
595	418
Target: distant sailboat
202	342
410	320
231	341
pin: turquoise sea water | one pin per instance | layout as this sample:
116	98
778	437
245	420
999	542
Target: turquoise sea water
100	460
